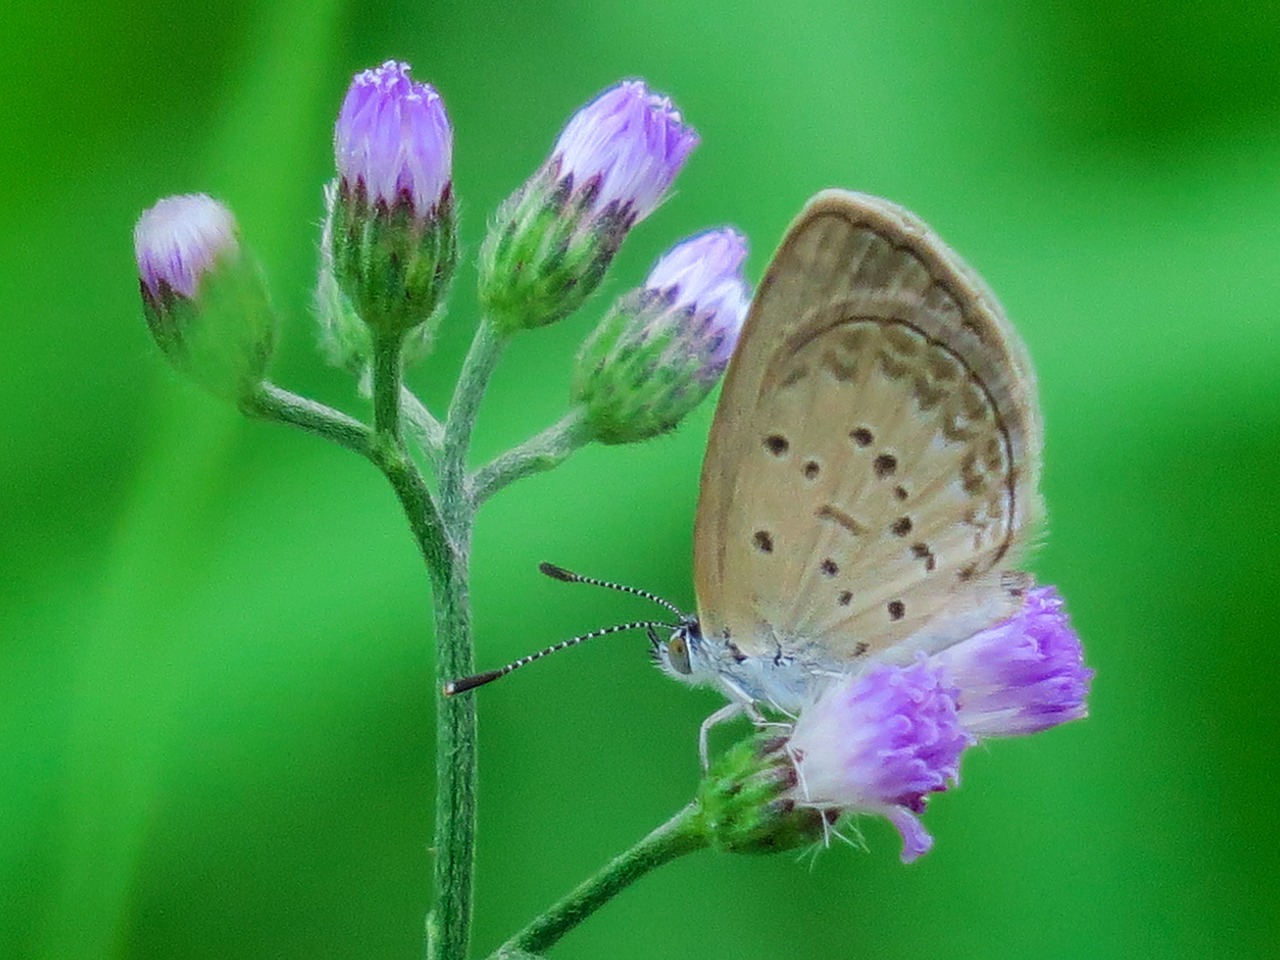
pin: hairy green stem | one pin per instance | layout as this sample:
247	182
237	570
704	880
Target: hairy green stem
449	923
429	531
426	429
386	383
270	402
486	348
548	449
680	835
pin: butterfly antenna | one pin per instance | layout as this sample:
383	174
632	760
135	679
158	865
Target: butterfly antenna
568	576
464	684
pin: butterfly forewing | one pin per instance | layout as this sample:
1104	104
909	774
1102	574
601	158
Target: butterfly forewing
873	464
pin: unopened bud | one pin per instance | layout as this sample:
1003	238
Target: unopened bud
662	348
554	238
391	223
205	302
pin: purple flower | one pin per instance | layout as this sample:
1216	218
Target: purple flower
700	280
178	241
878	742
1022	676
633	141
393	137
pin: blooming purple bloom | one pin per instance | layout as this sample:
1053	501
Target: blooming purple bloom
1022	676
394	137
878	742
706	295
633	141
178	241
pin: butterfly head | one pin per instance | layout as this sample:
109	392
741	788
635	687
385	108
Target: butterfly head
683	655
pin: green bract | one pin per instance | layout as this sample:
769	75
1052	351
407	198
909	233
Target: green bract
393	265
547	252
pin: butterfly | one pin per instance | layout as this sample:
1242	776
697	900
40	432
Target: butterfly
872	472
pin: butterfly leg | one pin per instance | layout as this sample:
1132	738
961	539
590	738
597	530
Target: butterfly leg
727	712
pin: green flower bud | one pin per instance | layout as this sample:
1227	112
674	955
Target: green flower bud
747	801
346	340
205	301
662	348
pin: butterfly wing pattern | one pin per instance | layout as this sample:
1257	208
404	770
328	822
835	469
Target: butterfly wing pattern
873	465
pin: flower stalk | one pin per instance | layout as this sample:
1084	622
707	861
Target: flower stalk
680	835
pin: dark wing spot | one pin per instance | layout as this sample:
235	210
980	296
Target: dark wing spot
901	527
860	648
862	437
885	465
900	492
829	568
811	469
763	541
777	444
922	551
897	609
966	573
845	598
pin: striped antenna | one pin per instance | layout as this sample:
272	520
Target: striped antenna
568	576
464	684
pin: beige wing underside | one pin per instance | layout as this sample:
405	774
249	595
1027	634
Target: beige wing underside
873	464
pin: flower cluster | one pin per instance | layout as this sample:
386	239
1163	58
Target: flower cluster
389	250
881	740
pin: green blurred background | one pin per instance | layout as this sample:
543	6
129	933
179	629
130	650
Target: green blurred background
215	694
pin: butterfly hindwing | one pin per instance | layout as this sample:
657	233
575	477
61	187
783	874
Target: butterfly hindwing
873	463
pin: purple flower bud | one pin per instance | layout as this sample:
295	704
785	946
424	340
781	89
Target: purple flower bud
393	138
1022	676
178	241
707	297
632	140
554	238
657	354
204	300
878	742
391	224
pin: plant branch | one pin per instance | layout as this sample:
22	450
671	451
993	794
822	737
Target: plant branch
270	402
678	836
433	538
426	428
548	449
449	923
482	358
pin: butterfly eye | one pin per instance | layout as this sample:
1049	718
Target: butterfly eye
678	655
